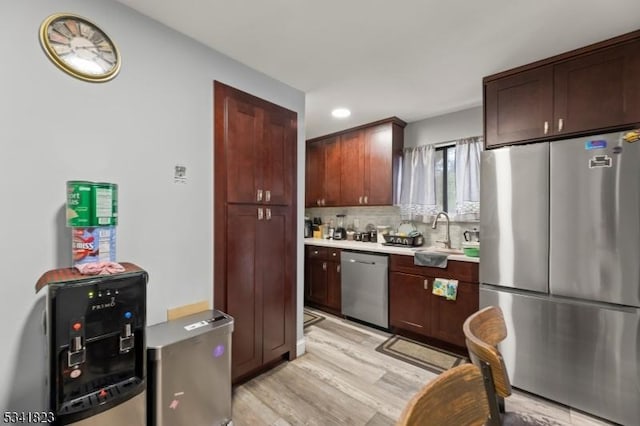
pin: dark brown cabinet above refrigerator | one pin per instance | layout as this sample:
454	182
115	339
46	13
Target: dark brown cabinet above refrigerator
589	90
355	167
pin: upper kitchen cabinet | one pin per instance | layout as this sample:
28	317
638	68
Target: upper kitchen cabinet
519	107
259	142
352	168
588	90
323	186
355	167
598	91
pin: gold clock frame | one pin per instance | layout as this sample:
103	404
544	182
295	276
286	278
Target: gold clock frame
53	56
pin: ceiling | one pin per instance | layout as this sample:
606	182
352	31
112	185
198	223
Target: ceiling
410	58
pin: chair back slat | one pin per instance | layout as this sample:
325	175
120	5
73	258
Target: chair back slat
456	397
483	331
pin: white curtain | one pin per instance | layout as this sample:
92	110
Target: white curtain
468	176
418	184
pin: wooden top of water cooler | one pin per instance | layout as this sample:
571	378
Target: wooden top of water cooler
72	274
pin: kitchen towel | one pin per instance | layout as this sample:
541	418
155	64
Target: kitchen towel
445	288
435	260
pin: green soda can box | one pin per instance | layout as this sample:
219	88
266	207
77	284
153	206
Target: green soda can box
104	199
79	197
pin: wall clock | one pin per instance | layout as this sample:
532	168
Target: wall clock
79	47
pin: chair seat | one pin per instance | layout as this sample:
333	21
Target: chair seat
514	418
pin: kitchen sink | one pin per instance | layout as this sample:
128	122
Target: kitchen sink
442	250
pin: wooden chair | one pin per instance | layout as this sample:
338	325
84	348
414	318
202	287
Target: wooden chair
456	397
483	331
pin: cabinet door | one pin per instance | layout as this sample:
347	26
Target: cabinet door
334	289
519	107
378	156
243	123
352	168
447	316
314	174
317	281
332	180
244	294
598	90
277	161
276	272
408	302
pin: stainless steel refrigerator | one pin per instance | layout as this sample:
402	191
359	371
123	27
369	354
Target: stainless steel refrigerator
560	226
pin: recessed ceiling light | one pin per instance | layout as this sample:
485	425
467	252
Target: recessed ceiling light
341	113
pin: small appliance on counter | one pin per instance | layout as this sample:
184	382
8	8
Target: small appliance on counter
308	227
472	235
340	232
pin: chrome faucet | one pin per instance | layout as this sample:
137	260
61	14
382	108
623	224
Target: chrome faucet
447	241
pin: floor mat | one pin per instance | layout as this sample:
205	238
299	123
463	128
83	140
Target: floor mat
311	318
420	354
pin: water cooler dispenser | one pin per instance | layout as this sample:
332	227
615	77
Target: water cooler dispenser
95	331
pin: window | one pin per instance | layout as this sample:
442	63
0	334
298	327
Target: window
446	178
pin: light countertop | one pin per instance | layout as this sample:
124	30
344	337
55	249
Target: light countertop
379	248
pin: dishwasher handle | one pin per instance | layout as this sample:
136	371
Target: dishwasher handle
361	261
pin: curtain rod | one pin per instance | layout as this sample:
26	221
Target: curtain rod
445	143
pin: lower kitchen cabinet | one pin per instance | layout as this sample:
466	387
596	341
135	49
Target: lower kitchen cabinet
414	308
322	278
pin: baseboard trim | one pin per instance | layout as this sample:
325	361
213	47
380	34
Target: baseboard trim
301	346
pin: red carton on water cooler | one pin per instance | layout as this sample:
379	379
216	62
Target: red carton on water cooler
93	244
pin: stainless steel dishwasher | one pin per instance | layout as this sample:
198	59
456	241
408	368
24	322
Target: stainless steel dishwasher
365	290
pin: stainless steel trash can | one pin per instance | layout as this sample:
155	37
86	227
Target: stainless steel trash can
189	371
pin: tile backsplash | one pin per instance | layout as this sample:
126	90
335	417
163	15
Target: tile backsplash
359	217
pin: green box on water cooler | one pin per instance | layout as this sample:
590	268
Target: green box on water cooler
92	204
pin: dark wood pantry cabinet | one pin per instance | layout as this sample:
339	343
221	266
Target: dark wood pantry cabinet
414	308
254	227
355	167
589	90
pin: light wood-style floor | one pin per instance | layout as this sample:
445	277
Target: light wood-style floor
342	380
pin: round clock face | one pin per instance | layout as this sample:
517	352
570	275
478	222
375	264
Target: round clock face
79	47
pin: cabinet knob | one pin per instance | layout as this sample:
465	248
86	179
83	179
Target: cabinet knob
360	200
259	195
546	127
560	124
324	266
338	268
267	196
315	252
323	203
260	213
268	214
426	284
366	199
318	202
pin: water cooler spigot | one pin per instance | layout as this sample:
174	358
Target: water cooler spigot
76	354
126	339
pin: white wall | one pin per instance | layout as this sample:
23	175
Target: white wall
443	128
157	113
